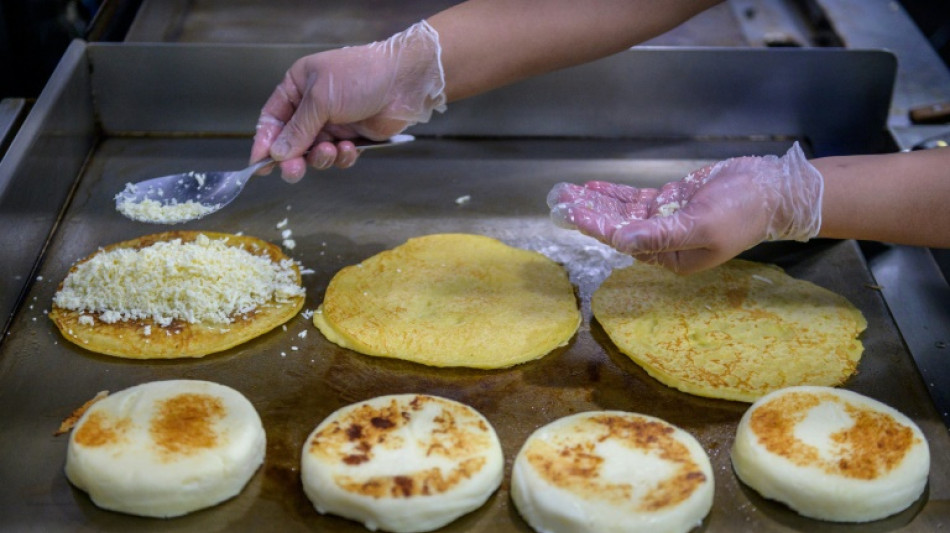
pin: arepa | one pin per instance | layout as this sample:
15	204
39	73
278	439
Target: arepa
177	294
831	454
612	472
166	448
737	331
402	463
451	300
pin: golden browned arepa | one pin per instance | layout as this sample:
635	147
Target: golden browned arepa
737	331
831	454
403	463
450	300
177	294
612	472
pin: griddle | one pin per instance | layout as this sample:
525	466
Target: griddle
114	114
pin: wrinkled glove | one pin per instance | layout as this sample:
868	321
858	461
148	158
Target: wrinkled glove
703	220
374	91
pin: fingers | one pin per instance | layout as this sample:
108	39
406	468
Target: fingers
323	155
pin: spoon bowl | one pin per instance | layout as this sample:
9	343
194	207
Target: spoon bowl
192	195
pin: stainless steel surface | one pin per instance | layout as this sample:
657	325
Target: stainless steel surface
339	218
680	93
213	190
915	290
38	171
12	111
922	78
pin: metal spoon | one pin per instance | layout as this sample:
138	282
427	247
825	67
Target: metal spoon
192	195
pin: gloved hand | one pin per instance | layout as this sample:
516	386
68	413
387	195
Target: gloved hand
703	220
375	91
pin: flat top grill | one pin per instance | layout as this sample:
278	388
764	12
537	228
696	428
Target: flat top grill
339	218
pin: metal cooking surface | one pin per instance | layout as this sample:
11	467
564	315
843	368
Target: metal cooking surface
341	217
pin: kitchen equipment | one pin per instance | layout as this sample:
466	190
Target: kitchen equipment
652	116
211	190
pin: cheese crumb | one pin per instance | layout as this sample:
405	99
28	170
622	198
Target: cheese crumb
666	210
203	281
153	211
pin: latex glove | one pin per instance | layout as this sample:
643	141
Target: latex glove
703	220
375	91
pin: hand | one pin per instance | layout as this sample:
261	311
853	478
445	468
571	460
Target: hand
375	91
703	220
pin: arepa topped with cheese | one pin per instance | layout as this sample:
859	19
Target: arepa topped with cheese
177	294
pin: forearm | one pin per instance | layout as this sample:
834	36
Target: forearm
899	198
490	43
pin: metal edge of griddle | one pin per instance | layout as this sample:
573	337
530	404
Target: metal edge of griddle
12	113
37	174
682	92
918	298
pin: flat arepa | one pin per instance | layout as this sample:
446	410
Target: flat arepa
737	331
451	300
612	472
403	463
831	454
166	448
177	294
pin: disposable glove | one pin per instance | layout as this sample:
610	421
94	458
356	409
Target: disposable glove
375	91
703	220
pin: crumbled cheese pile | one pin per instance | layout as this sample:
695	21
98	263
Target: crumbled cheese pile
203	281
153	211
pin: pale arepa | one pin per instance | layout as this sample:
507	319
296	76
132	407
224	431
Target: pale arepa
612	472
402	463
831	454
166	448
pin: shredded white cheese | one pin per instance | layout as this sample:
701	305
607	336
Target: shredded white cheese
203	281
149	210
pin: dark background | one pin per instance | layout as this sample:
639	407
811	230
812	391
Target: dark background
34	34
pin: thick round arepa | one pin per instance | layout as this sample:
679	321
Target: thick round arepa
831	454
737	331
451	300
402	463
166	448
612	472
177	294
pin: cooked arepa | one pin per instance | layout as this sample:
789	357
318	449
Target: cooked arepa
831	454
402	463
451	300
737	331
612	472
166	448
177	294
